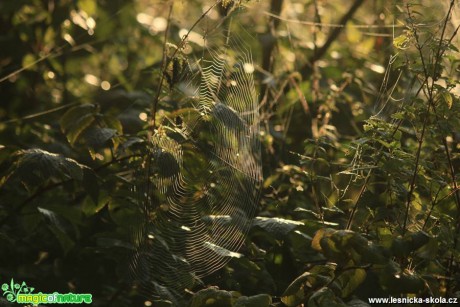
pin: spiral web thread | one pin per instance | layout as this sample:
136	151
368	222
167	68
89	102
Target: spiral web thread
205	175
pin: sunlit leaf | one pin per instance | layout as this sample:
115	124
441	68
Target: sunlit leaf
401	42
447	97
211	297
89	6
33	166
276	226
315	243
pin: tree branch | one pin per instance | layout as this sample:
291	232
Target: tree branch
306	70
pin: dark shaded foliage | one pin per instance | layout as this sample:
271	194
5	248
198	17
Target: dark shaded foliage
360	148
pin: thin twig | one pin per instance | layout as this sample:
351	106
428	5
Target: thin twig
163	70
168	61
430	98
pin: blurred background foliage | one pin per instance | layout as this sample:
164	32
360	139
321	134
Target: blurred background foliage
359	125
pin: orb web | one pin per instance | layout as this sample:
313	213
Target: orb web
204	174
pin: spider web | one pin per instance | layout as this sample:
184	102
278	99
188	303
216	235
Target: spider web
205	172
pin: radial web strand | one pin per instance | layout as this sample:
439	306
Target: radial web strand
205	172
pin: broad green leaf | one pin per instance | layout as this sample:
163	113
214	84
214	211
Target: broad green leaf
91	207
113	123
372	254
221	251
74	133
33	166
76	113
76	120
260	300
295	292
402	247
447	97
97	137
123	211
66	242
276	226
407	283
323	232
429	250
162	303
338	240
401	42
298	290
28	61
89	6
91	184
357	303
350	280
212	297
50	37
325	297
417	239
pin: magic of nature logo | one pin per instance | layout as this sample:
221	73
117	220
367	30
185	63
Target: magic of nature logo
22	294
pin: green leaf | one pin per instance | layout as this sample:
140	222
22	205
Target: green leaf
89	6
34	166
28	61
401	42
91	207
429	250
323	232
123	211
76	113
447	98
297	291
221	251
325	297
212	297
294	293
354	35
78	127
162	303
407	283
402	247
260	300
113	123
97	137
66	242
76	120
357	303
350	280
91	184
276	226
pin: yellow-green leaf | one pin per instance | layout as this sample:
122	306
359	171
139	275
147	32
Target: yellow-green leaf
447	97
89	6
401	42
28	61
